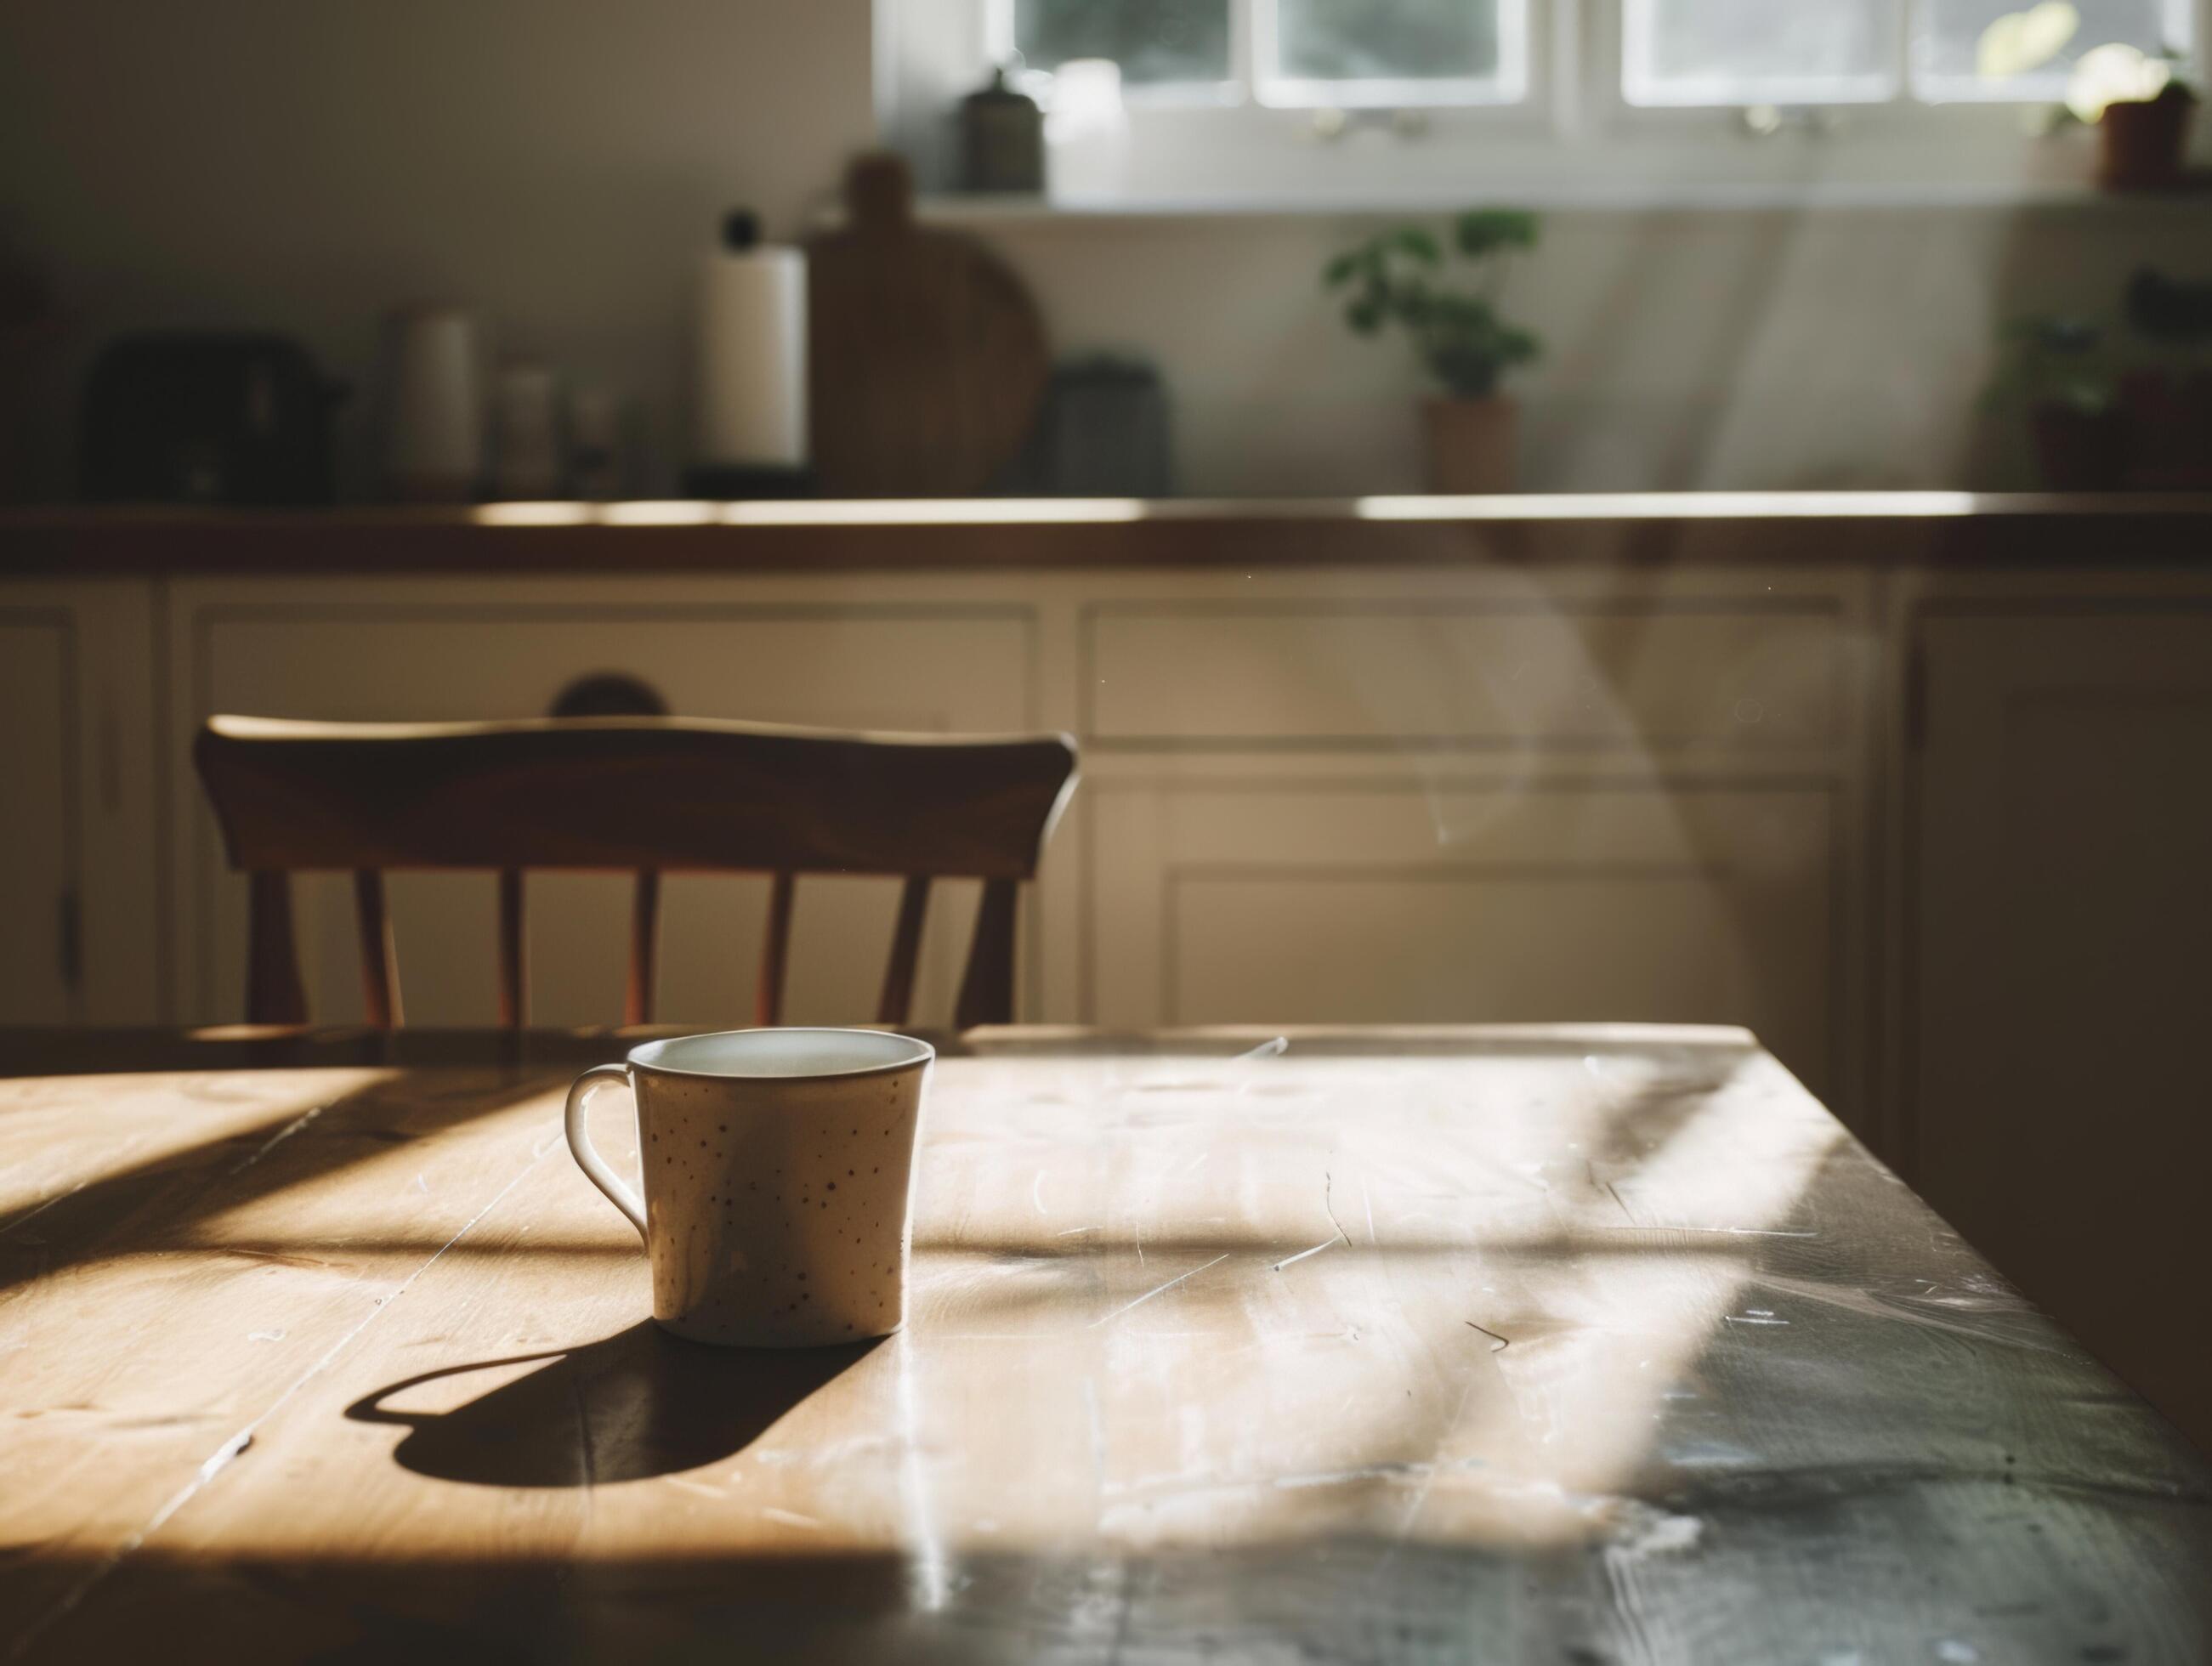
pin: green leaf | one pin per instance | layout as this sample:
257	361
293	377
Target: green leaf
1421	245
1480	232
1338	272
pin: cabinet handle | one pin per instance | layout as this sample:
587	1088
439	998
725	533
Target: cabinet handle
69	943
1916	698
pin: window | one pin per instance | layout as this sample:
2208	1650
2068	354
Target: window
1759	51
1367	52
1292	103
1432	54
2011	49
1156	42
1295	54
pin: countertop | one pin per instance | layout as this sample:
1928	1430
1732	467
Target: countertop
1888	529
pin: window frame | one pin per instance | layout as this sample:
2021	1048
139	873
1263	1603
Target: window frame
1574	139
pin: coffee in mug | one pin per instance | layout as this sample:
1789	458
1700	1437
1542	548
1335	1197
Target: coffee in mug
778	1169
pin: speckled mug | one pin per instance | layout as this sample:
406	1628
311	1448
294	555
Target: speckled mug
778	1169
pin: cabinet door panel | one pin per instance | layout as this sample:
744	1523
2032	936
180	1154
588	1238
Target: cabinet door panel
1498	901
927	670
37	863
2064	973
1738	674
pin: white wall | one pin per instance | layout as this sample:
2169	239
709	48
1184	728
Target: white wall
1718	350
305	167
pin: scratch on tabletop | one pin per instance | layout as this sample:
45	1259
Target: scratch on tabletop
1328	1204
790	1517
225	1454
700	1487
1157	1290
1292	1261
276	1140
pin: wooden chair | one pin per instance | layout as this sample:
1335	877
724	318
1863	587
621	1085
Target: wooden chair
642	795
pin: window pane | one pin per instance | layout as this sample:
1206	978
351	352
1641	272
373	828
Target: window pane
1387	40
2031	51
1759	51
1152	40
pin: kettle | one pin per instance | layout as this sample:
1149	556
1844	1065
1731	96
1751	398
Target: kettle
189	417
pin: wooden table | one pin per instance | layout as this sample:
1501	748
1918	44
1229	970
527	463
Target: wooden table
1584	1344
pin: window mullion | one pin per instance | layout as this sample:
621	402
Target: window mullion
1904	19
1243	32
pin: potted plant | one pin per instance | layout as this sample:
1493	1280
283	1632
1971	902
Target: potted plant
2056	370
1404	278
2141	108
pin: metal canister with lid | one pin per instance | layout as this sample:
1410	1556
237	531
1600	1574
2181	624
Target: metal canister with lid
1001	139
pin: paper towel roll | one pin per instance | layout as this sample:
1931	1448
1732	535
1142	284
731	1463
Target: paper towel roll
752	359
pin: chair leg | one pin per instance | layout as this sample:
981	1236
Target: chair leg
274	993
380	956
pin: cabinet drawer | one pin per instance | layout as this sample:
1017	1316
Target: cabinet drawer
1590	675
1468	901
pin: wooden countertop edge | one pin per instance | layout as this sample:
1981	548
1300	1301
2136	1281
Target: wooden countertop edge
1865	529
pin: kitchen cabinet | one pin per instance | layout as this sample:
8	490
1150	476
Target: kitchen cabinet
40	949
1471	894
2060	963
79	925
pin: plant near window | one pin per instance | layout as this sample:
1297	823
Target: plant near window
2140	102
2108	407
1450	310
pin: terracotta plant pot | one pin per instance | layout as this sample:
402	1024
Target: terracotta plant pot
1474	444
2080	451
2143	141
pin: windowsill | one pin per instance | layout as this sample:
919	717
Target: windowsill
1630	197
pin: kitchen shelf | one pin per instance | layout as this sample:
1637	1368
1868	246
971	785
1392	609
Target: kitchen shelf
1604	197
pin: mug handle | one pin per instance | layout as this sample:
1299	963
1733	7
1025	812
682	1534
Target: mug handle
579	1142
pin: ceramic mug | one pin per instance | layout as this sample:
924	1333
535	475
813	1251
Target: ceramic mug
778	1169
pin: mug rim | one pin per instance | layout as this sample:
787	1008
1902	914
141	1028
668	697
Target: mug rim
921	1053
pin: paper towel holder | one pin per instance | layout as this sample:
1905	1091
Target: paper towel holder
741	235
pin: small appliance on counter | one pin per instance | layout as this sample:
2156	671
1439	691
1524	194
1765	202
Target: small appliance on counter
191	416
529	441
1102	433
434	405
750	438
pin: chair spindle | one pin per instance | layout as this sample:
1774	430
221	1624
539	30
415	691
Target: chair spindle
776	951
514	953
644	946
906	947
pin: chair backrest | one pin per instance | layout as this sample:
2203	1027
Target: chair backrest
641	795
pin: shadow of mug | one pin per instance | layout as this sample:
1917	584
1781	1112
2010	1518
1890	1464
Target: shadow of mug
633	1405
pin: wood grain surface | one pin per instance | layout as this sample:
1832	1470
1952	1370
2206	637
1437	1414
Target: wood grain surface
1582	1344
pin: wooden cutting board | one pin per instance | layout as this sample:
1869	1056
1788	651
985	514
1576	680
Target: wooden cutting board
927	361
